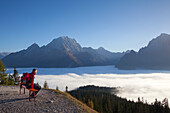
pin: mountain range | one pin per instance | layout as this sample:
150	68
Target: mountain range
156	55
61	52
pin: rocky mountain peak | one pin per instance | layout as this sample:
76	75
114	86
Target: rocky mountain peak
163	40
33	46
65	43
101	48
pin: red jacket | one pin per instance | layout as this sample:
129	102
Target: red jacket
32	79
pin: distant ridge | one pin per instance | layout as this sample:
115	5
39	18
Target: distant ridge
3	54
156	55
59	53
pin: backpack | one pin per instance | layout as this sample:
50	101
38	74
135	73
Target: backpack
24	78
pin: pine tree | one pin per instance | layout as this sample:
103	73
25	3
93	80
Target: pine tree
165	103
3	75
90	103
56	87
10	80
16	76
46	85
66	88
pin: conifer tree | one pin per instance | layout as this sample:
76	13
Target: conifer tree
90	103
10	80
46	85
16	76
66	88
56	87
3	75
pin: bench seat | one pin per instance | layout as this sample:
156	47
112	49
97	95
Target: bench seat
30	90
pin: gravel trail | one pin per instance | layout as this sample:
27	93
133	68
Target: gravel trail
46	101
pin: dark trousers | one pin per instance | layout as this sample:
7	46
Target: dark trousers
37	87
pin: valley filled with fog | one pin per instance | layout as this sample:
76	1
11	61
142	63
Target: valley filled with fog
149	84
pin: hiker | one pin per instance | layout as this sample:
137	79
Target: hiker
30	83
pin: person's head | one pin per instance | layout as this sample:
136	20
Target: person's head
34	71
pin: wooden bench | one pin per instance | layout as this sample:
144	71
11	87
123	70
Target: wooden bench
30	90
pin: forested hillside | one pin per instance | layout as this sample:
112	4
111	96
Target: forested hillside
104	100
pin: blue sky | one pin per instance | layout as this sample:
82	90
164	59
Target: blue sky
117	25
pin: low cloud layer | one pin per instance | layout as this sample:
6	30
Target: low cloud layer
149	86
139	83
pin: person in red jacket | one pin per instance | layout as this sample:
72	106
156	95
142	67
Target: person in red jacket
31	84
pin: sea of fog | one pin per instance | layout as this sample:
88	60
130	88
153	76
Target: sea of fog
149	84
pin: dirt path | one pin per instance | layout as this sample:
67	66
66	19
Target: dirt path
47	101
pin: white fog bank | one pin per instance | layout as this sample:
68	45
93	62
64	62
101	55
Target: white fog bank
138	83
149	86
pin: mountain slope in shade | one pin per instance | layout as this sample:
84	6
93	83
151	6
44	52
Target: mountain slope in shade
61	52
156	55
113	57
42	57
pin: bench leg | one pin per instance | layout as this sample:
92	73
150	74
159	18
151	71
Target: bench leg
29	95
34	95
24	90
20	91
